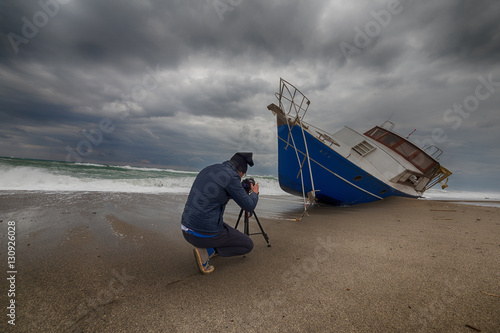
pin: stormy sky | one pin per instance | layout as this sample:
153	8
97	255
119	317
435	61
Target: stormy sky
183	84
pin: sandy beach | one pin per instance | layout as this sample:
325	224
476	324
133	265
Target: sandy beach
114	262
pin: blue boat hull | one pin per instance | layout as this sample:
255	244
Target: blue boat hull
337	181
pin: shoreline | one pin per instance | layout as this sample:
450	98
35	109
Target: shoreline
117	262
284	197
482	203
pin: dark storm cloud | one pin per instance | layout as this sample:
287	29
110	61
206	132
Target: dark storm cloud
112	33
463	31
184	82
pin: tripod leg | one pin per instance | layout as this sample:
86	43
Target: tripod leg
239	217
262	230
247	227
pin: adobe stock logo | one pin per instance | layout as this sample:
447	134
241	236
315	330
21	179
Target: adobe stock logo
461	111
95	137
30	28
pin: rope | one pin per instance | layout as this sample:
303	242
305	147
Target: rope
290	135
308	202
308	159
297	108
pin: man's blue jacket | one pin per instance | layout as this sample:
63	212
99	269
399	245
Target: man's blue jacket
211	191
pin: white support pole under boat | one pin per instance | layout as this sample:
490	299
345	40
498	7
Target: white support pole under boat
298	108
290	135
298	160
299	119
308	162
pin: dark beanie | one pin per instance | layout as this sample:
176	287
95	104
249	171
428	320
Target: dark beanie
240	161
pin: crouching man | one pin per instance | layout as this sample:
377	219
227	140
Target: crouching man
202	220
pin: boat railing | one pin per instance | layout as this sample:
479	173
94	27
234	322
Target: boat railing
322	135
436	152
293	103
391	125
292	99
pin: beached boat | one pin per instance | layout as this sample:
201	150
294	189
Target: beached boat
348	167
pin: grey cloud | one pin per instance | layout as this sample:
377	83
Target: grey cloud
214	78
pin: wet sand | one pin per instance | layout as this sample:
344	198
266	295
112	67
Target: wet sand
104	262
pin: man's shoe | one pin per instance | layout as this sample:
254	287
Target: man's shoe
212	253
201	256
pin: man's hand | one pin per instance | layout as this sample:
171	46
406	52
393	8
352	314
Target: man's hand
254	188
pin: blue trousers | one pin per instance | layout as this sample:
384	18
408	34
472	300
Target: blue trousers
228	243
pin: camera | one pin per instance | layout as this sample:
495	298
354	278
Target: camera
247	184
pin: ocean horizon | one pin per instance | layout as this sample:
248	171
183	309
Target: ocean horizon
22	174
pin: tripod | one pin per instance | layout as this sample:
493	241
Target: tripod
247	227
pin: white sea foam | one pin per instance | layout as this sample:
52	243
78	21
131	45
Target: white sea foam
34	179
128	167
436	194
27	178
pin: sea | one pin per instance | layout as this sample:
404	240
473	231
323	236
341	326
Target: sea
19	174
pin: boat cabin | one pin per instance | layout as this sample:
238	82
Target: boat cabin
430	171
416	156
